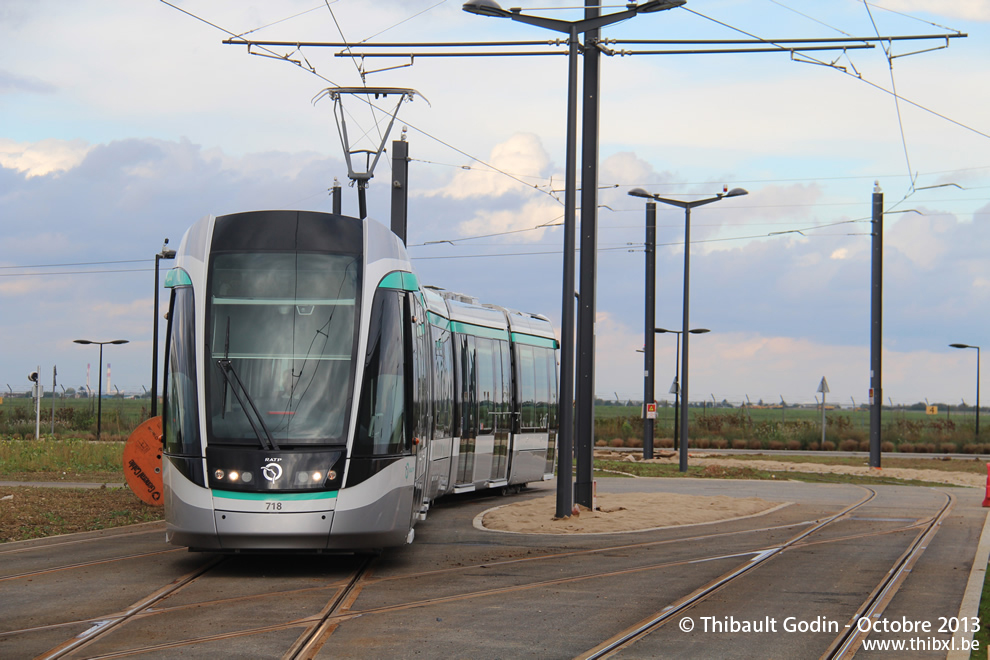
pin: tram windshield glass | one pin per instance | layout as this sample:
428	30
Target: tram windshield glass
282	325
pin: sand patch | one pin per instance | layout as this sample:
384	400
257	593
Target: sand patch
700	458
622	512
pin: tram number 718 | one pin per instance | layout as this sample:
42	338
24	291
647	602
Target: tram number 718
273	506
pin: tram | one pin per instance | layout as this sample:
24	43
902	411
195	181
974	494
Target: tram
318	398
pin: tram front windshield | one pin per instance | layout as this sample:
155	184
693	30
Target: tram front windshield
280	358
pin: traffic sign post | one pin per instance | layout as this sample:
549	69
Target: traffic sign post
823	390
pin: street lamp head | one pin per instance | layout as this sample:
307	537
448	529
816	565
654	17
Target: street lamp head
639	192
88	341
699	331
658	5
661	331
736	192
166	253
485	8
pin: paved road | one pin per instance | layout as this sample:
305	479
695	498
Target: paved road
464	592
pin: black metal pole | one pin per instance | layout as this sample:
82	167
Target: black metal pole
400	188
649	315
99	396
587	269
362	200
154	347
876	325
977	392
565	459
335	197
677	389
683	385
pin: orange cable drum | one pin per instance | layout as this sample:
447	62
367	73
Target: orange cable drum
143	461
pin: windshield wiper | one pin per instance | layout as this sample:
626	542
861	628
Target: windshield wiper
231	378
227	369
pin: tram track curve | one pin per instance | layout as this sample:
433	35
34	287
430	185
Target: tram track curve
313	629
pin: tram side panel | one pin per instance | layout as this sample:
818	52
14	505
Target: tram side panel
536	407
387	468
442	445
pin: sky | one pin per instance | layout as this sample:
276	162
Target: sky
123	123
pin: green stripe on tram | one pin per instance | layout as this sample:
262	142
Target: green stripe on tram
281	497
177	277
531	340
400	280
478	330
435	319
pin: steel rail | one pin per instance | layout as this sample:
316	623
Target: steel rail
87	564
321	625
846	644
645	627
105	626
315	636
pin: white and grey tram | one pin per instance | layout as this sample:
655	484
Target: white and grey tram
317	398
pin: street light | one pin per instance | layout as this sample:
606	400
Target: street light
977	383
677	370
492	9
99	380
687	206
164	254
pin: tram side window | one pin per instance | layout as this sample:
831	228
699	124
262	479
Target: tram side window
554	392
541	364
443	385
468	380
486	385
526	387
381	415
422	396
180	410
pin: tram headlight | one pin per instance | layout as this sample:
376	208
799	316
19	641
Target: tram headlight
246	477
317	476
218	474
331	475
234	476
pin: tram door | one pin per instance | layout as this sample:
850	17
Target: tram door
421	425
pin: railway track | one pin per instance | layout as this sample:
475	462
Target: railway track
310	603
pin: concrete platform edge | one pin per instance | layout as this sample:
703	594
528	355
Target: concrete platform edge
970	606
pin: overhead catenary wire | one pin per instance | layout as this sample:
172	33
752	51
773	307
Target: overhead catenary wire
811	18
754	39
271	53
775	44
893	87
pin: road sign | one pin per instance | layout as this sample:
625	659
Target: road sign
651	411
823	386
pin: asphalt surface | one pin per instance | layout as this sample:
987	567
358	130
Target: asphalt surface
464	592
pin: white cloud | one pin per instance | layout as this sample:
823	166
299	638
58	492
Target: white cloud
972	10
25	286
535	213
42	157
924	239
521	156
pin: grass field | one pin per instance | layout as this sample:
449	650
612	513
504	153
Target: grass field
73	417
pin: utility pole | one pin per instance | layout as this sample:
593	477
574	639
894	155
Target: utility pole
588	269
876	326
649	331
400	187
